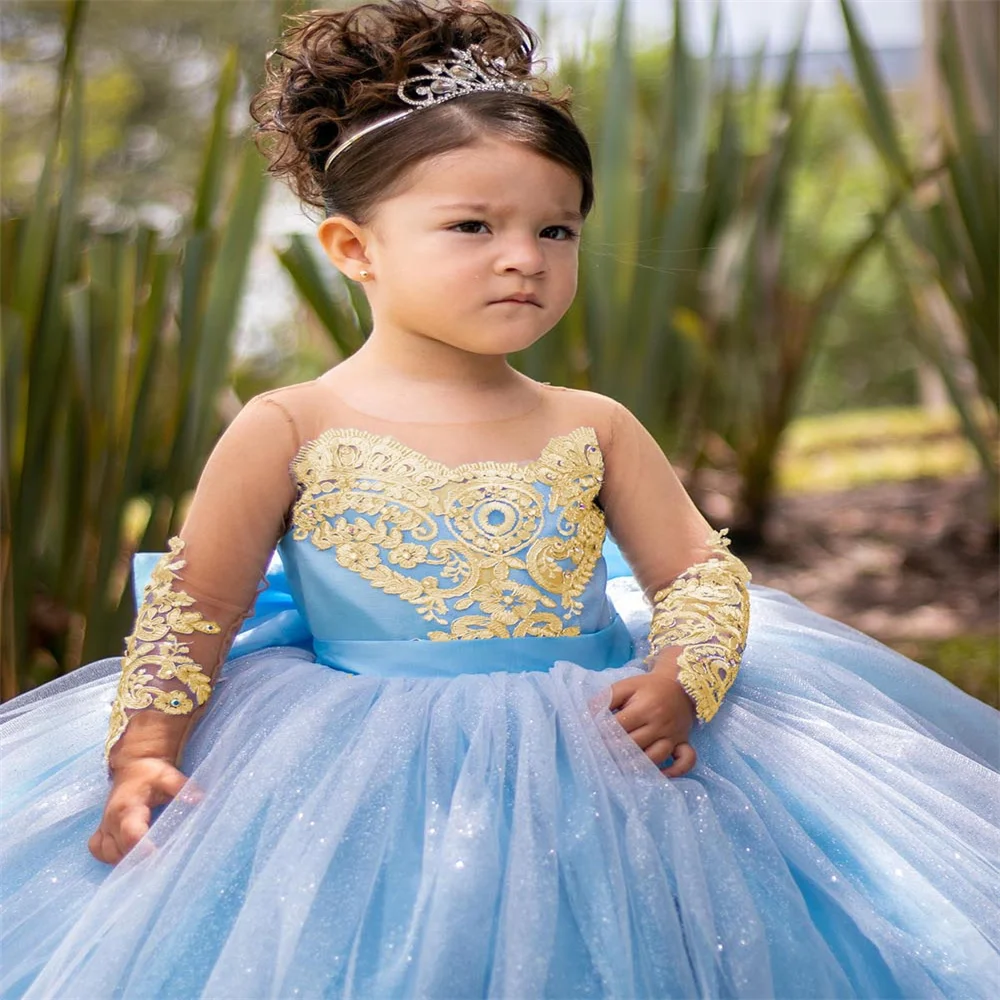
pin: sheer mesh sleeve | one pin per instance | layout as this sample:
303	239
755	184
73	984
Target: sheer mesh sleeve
698	589
204	586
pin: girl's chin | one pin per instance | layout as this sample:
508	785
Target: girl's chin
492	335
498	343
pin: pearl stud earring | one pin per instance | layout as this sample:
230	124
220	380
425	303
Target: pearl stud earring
363	275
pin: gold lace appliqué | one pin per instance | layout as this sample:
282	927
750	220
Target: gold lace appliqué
470	526
706	610
154	654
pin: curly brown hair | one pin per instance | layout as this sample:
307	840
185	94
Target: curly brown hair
337	71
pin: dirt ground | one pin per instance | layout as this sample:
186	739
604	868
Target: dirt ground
901	561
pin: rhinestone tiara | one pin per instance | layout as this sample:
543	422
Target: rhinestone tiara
445	80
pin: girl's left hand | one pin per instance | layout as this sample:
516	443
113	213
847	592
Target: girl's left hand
658	714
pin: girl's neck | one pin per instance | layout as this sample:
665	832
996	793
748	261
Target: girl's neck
431	385
426	362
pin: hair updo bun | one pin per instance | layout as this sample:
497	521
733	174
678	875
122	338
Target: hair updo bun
336	72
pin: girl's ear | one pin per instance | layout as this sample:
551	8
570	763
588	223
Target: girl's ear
344	242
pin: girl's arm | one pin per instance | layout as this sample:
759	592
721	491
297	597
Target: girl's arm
199	593
698	589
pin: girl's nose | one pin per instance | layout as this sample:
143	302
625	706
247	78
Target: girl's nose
521	254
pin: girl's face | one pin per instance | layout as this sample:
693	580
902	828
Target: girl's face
468	229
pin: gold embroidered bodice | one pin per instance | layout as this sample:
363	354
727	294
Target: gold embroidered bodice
481	550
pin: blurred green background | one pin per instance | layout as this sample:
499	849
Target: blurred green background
792	282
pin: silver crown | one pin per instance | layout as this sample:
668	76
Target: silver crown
463	74
445	80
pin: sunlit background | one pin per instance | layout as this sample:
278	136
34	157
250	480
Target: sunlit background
791	276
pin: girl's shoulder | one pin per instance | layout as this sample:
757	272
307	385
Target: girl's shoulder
298	406
594	409
293	399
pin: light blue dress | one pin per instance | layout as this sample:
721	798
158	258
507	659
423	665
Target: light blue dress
386	815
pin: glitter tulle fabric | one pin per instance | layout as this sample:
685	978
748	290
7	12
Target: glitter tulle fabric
496	834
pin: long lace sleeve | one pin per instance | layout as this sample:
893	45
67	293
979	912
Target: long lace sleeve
203	587
698	589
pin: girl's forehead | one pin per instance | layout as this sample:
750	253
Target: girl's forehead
492	173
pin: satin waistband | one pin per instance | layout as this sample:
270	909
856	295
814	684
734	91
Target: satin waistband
609	647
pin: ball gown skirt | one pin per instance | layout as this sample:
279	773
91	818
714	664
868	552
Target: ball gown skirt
497	834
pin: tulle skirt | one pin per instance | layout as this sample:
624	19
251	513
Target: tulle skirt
499	835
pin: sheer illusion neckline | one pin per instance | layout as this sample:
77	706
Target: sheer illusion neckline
583	435
428	423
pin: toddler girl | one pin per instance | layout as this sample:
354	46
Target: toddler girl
461	749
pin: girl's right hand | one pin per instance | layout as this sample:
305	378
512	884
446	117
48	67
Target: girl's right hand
138	787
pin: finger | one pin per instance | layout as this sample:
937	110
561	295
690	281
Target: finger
621	691
112	852
685	757
133	827
96	844
121	803
104	847
659	750
191	792
634	715
646	736
170	783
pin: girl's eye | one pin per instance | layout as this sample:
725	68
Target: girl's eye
566	231
474	227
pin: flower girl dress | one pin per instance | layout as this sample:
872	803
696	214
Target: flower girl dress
407	781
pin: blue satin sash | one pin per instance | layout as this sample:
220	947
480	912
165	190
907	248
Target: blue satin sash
608	647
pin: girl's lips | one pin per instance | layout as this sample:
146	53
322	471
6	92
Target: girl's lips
519	302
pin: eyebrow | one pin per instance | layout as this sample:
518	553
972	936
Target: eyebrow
482	208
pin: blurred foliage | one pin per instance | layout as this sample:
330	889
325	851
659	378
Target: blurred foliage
150	71
116	358
860	447
836	183
947	255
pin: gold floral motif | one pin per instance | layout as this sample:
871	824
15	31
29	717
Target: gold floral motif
470	525
162	616
706	610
